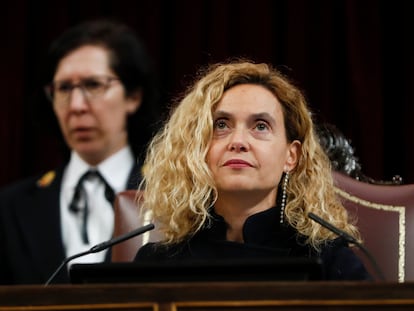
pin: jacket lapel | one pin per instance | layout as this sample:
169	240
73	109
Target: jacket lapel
134	177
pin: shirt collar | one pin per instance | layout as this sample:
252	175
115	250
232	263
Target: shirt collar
115	169
262	228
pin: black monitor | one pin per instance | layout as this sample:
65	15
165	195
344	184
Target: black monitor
280	269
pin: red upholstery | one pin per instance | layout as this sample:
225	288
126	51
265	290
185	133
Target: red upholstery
128	218
385	217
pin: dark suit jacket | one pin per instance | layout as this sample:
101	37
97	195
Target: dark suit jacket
31	246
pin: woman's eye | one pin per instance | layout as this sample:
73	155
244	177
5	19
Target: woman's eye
220	124
92	84
64	87
261	126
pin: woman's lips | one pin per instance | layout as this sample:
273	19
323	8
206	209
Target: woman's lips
82	132
237	163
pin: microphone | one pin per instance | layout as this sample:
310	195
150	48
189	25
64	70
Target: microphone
102	246
349	239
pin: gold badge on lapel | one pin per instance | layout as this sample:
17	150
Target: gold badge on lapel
46	179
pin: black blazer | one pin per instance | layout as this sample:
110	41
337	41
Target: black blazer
31	246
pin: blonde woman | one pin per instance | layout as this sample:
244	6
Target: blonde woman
235	172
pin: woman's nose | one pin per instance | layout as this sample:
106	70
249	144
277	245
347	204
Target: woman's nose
239	141
238	147
77	99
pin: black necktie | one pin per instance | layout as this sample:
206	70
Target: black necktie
80	197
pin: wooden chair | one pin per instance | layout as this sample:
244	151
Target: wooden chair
385	217
128	218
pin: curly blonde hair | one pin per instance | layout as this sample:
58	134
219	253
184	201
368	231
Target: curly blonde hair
179	188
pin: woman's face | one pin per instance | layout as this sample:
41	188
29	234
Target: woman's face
94	126
249	150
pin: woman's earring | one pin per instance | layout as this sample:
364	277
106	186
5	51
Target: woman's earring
284	196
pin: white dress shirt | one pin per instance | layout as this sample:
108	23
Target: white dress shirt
116	171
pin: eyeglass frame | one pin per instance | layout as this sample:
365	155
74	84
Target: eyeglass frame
50	88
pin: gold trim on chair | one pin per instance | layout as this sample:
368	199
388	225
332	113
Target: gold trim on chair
401	220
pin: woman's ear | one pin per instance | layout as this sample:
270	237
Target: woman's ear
294	153
134	101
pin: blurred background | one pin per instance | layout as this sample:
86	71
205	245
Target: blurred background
352	58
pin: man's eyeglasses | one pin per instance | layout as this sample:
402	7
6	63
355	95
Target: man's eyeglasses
92	87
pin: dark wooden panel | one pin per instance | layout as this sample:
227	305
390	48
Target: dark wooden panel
211	296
